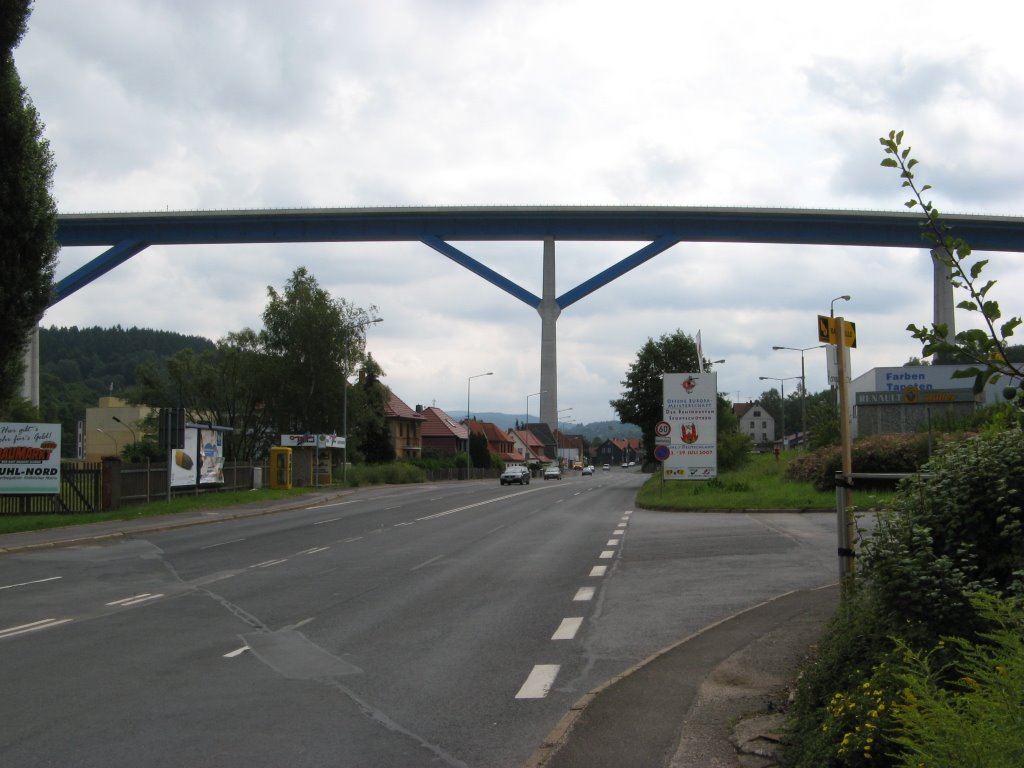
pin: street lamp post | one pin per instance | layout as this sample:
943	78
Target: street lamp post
135	439
832	306
803	385
468	380
782	389
344	407
117	451
543	391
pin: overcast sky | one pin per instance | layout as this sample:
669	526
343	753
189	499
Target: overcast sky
192	104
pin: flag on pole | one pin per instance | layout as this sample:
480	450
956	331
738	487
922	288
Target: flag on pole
700	354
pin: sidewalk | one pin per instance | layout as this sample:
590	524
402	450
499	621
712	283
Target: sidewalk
707	702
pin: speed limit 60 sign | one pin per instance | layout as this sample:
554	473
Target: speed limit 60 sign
662	429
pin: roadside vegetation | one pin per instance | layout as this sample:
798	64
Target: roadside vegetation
923	664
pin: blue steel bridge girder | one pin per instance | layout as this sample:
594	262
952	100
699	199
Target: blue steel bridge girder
659	227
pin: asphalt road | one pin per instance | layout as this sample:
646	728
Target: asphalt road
441	625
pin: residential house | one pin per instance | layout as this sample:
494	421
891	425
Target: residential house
531	447
755	422
571	448
621	451
406	428
499	442
547	438
442	433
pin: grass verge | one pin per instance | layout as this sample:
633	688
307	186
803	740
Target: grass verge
19	523
761	484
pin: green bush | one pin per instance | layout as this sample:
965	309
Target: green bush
904	452
957	532
970	713
733	450
385	474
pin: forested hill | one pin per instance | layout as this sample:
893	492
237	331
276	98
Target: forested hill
101	357
78	366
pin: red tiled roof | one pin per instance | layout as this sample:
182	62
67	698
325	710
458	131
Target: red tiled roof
394	408
440	424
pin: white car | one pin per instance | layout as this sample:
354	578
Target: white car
552	473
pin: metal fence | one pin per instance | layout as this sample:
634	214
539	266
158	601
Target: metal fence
148	482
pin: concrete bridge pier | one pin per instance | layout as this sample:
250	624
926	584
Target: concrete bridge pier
549	311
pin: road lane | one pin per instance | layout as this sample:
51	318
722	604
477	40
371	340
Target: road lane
407	627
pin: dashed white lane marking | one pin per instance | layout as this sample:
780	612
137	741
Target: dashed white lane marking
313	551
583	594
539	682
221	543
619	532
135	599
354	538
568	628
26	583
236	652
599	570
21	629
269	563
612	543
425	563
399	525
329	520
608	554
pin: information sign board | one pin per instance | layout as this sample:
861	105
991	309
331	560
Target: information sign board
690	407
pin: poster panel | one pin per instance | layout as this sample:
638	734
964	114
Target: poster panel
690	408
183	461
29	458
211	456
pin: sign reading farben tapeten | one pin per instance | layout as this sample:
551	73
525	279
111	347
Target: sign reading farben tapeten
690	407
29	458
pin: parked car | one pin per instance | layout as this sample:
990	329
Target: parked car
519	475
552	473
589	470
607	467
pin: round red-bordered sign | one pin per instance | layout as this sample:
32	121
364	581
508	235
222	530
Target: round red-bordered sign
662	429
662	452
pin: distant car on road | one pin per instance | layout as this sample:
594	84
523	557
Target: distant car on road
607	467
519	475
552	473
589	470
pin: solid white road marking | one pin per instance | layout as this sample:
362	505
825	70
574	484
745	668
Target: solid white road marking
23	628
608	554
599	570
583	594
236	652
539	682
568	628
26	583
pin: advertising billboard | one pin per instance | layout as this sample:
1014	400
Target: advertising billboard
200	460
29	458
690	413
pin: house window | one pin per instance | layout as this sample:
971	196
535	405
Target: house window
764	425
757	413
